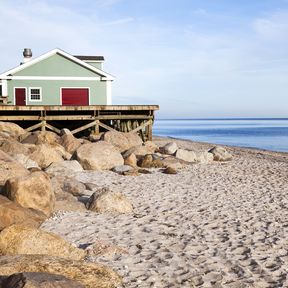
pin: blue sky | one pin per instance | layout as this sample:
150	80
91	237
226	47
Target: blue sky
204	58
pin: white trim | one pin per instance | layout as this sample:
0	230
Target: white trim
4	88
62	53
14	94
29	94
75	88
108	93
69	78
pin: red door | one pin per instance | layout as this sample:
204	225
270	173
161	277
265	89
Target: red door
75	96
20	96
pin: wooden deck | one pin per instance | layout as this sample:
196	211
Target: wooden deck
124	118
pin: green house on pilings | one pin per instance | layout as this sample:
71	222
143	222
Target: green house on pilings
57	78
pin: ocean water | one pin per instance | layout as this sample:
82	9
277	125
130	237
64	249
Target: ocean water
268	134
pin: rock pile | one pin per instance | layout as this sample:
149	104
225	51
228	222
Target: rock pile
37	178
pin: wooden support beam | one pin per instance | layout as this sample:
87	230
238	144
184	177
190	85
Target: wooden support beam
54	129
97	127
34	127
87	126
19	118
107	127
43	126
143	125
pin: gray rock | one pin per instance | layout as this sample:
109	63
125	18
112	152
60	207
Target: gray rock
186	155
220	154
122	168
38	280
64	168
25	161
169	148
106	201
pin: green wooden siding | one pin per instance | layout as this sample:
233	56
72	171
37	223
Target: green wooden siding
95	64
51	94
56	65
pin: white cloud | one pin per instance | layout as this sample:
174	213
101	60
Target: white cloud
274	27
197	71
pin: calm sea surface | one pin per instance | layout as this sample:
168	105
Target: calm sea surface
270	134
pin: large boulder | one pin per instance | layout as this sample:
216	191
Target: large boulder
18	239
106	201
169	149
186	155
122	141
12	213
70	143
220	154
32	191
204	157
38	280
194	156
174	163
41	137
13	147
141	150
64	168
25	161
12	129
92	275
98	156
44	155
66	201
68	184
9	168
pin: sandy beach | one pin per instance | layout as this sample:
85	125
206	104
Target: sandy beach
222	224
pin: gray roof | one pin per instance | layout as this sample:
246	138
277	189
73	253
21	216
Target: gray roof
90	58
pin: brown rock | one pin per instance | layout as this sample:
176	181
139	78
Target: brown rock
12	129
169	170
98	156
92	275
174	163
106	201
12	213
40	137
101	247
32	191
122	141
18	239
141	150
148	161
13	147
38	280
9	168
131	160
44	155
69	203
70	143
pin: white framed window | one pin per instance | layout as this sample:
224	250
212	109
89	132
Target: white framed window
35	94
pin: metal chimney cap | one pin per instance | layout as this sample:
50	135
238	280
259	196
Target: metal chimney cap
27	52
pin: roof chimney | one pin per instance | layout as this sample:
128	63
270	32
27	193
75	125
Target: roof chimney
27	53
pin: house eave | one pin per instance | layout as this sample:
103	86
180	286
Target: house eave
98	71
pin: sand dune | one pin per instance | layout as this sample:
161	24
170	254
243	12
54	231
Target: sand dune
211	225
